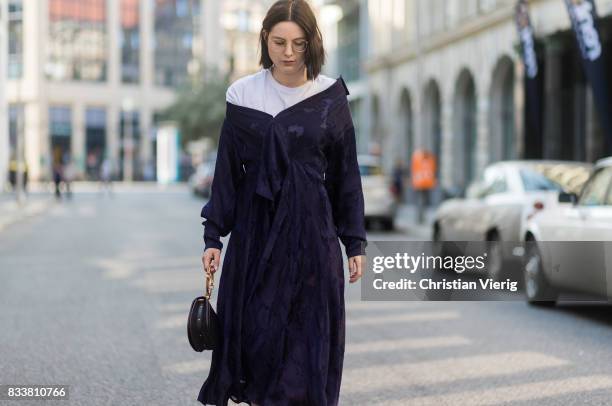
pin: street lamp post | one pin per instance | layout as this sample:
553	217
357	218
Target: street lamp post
19	149
19	158
418	124
128	140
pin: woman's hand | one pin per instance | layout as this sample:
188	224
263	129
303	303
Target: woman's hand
211	259
355	268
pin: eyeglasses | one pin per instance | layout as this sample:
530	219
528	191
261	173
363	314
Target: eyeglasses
278	45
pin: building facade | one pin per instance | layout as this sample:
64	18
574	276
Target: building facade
447	76
88	77
241	21
344	26
4	140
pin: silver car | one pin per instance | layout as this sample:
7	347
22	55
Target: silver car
566	247
498	204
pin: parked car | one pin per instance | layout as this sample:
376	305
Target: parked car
566	245
498	204
380	204
201	181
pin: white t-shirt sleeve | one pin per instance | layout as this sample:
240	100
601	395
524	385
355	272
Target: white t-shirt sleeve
233	95
325	82
238	92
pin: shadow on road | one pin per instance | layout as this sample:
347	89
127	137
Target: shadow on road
598	311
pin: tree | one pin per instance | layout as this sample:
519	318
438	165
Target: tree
199	108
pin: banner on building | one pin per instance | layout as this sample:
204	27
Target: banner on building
583	15
533	102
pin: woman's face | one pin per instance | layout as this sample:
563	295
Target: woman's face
287	46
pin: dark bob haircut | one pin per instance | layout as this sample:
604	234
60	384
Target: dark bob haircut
299	12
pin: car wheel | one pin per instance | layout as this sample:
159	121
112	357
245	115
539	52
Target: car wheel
437	233
538	290
440	248
439	274
495	265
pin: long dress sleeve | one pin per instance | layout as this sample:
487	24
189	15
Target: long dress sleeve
219	211
345	191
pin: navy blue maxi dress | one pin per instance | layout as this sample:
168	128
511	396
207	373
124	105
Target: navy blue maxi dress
286	187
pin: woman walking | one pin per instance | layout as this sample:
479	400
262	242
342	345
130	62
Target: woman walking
286	185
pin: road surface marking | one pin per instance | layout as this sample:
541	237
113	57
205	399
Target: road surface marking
514	393
374	305
406	344
402	318
189	367
369	378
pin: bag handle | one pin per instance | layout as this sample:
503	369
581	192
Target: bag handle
210	283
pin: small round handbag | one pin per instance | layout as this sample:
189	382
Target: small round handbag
203	323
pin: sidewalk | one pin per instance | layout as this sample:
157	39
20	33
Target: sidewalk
406	219
35	202
40	196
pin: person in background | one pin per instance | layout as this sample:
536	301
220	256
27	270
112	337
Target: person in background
14	168
398	174
57	179
13	174
92	165
69	177
106	175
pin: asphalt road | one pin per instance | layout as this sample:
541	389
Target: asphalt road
94	294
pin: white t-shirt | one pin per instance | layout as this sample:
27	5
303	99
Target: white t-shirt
260	91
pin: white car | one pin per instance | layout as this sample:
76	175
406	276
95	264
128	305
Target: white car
380	205
565	246
201	181
497	205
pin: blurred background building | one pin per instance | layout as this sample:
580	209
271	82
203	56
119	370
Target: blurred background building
447	76
4	141
88	77
344	25
241	21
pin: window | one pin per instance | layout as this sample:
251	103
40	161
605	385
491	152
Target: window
594	193
15	114
348	45
534	181
475	189
495	183
77	40
130	41
60	132
175	28
15	39
95	144
59	119
499	185
130	143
